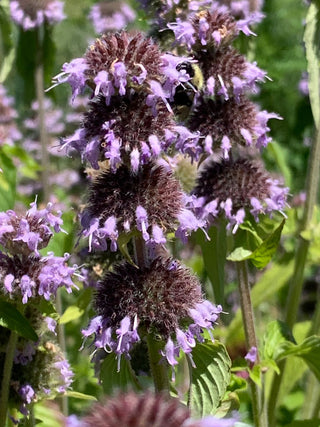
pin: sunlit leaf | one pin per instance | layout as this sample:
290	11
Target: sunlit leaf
82	396
311	40
277	333
73	312
210	377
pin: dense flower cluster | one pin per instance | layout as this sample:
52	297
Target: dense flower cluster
234	188
163	298
39	368
111	16
30	14
148	410
23	271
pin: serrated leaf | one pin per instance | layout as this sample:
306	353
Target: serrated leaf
214	257
72	312
311	40
263	254
276	334
12	319
112	380
209	379
7	182
82	396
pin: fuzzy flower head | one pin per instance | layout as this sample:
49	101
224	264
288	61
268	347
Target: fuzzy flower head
31	14
164	298
111	16
229	123
147	410
207	30
237	187
47	374
34	277
227	74
117	64
149	201
29	233
127	132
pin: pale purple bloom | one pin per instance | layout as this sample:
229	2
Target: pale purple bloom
113	21
27	393
73	73
24	356
252	355
66	375
183	32
51	323
52	13
142	222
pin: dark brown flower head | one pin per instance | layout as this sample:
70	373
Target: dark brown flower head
213	30
134	410
120	194
238	180
227	64
160	295
231	122
130	124
136	52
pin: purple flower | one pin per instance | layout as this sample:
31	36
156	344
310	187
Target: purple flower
66	375
27	393
252	355
110	17
74	74
30	15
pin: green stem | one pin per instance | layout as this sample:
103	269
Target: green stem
7	368
159	370
296	284
259	416
45	164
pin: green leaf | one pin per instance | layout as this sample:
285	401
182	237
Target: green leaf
29	167
277	333
72	312
311	40
214	257
12	319
263	254
7	182
239	254
82	396
210	378
7	48
112	380
308	350
279	156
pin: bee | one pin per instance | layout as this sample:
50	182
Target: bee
185	92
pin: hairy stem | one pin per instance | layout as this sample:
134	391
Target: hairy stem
251	340
7	368
159	370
